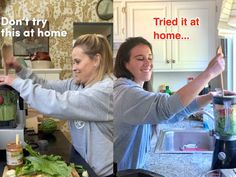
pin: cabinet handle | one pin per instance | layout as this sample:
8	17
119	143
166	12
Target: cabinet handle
123	9
167	61
173	61
123	30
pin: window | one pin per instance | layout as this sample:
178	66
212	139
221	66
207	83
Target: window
229	45
234	65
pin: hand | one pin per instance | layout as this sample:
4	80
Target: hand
12	62
216	66
7	80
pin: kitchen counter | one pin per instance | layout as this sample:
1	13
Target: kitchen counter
178	165
58	145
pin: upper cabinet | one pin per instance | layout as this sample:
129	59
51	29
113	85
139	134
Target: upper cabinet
190	26
119	21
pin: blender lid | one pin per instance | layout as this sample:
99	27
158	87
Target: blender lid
220	100
6	87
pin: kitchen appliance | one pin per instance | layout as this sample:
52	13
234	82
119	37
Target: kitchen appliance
12	116
224	155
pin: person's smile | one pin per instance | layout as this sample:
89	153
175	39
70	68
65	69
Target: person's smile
146	70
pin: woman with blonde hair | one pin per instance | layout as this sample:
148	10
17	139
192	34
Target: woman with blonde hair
84	100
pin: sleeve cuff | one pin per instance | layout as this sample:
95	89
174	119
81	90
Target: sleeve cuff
193	107
24	73
16	83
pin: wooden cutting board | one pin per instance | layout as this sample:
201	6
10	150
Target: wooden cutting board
75	174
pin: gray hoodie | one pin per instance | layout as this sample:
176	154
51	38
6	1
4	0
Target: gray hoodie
135	111
89	111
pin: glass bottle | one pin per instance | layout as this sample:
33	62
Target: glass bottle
168	90
14	153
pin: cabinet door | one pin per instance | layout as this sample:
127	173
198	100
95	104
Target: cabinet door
194	53
140	22
118	21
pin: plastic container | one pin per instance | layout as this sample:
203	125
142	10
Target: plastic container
162	88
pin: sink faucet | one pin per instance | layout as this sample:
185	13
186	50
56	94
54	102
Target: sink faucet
207	113
206	123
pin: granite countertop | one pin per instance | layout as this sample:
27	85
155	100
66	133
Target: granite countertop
178	165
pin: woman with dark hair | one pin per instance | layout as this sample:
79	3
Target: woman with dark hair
136	109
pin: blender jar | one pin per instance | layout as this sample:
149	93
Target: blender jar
225	116
8	103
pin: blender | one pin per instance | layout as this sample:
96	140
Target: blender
224	155
12	116
12	113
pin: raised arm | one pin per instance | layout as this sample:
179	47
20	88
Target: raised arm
191	90
91	104
25	73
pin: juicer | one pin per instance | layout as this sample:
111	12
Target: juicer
224	155
12	116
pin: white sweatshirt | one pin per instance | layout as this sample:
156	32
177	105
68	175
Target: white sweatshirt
89	111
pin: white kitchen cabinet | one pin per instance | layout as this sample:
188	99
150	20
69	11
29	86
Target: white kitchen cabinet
140	23
195	53
174	54
118	21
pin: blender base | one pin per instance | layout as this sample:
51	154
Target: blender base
9	136
224	155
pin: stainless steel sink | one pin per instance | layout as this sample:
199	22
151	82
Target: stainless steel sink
184	141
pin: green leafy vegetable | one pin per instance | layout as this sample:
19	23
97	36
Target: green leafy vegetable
48	165
8	101
48	126
220	121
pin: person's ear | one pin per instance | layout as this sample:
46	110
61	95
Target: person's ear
97	59
127	65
